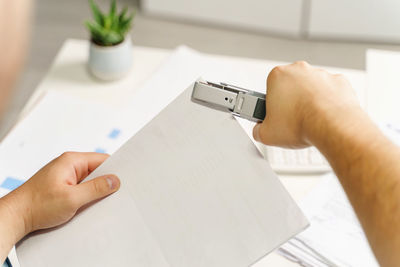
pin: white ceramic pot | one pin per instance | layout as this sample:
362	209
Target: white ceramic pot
110	62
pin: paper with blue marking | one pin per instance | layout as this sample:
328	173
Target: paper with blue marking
62	122
57	124
195	192
11	183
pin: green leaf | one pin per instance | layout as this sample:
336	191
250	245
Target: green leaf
111	28
122	14
114	38
94	28
115	23
97	14
113	8
107	23
126	24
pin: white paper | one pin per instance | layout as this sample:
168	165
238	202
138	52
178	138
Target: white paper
391	131
383	85
59	123
335	237
194	192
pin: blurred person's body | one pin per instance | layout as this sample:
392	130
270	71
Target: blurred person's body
15	17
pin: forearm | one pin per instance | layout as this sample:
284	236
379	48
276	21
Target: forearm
368	166
13	225
308	106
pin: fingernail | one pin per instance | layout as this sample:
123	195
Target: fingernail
112	183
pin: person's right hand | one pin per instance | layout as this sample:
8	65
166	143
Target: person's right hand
300	100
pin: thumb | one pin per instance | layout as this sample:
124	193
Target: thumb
96	188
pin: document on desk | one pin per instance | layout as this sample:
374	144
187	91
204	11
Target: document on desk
194	192
58	123
335	237
383	85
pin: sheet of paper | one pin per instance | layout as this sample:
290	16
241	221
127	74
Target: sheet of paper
195	192
383	85
335	237
392	131
59	123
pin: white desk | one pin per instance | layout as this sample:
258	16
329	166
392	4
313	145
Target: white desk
68	73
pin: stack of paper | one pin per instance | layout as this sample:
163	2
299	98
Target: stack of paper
335	237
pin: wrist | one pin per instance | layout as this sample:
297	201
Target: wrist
15	207
325	120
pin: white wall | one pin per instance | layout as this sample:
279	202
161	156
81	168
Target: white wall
376	20
370	20
280	16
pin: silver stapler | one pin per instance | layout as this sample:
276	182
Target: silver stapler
240	102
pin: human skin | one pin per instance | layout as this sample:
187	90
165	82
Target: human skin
308	106
52	196
15	17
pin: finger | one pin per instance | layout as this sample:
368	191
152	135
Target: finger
83	162
262	134
256	132
93	159
96	188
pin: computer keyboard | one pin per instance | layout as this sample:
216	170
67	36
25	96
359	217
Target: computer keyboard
296	161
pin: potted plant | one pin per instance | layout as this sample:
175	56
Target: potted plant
110	52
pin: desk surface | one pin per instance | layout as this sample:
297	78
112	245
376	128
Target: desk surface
68	73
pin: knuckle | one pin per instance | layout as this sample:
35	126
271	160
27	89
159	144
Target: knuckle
341	78
277	69
301	63
274	73
68	155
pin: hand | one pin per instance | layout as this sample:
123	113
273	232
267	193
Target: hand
53	195
300	100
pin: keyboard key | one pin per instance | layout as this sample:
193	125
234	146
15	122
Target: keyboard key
296	161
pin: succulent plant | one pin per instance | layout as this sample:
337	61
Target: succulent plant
109	29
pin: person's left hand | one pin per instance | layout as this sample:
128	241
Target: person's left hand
55	193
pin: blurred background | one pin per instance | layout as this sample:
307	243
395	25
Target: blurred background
322	32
